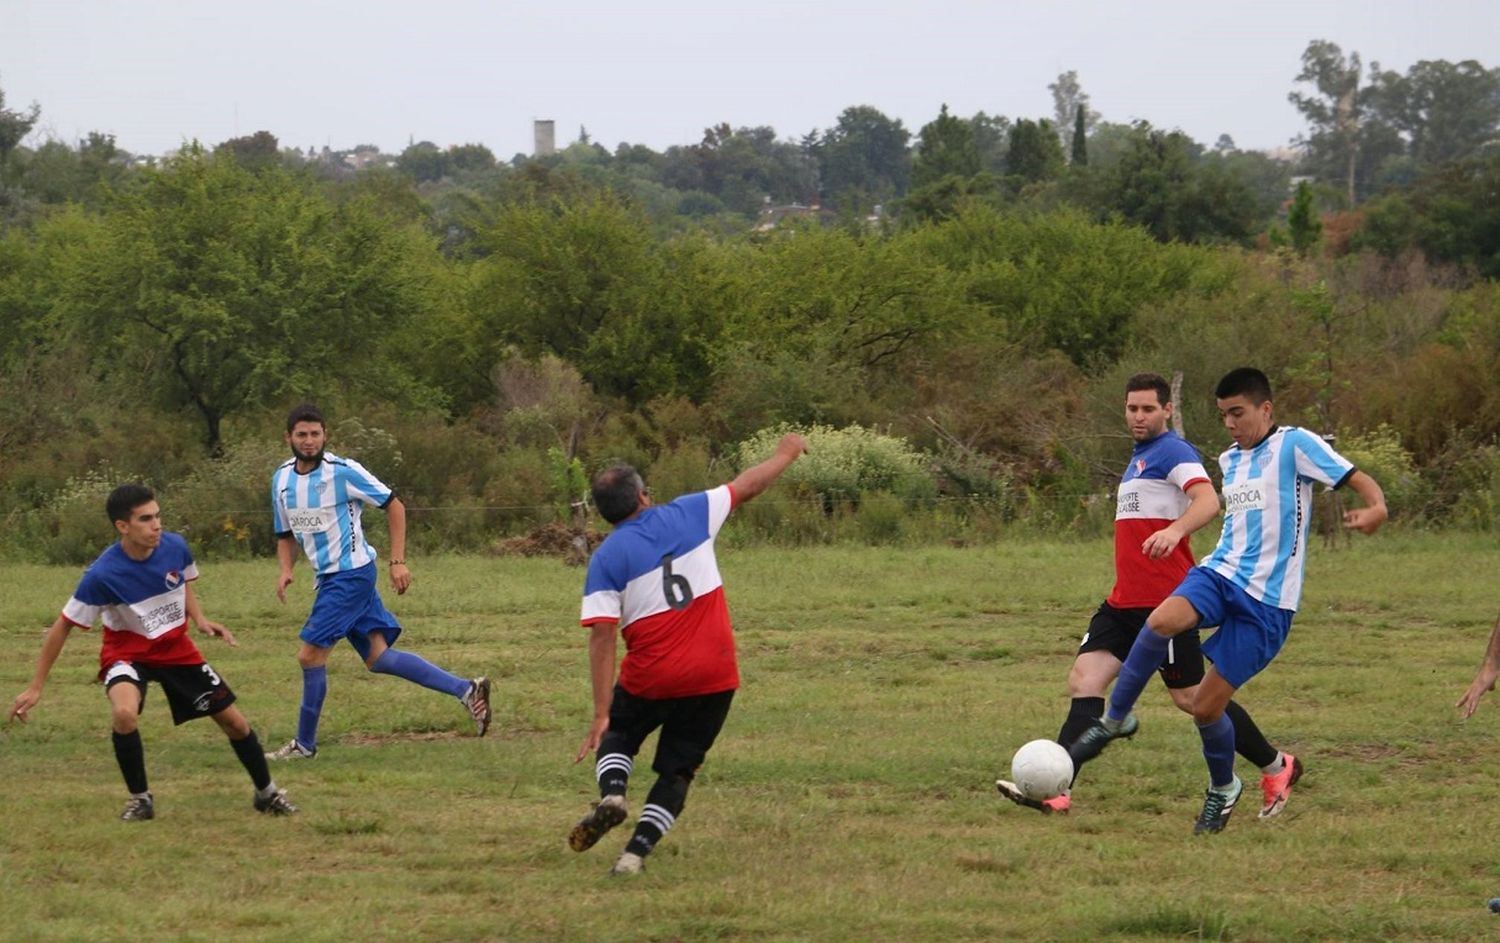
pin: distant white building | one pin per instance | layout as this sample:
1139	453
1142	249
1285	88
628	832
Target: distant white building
544	134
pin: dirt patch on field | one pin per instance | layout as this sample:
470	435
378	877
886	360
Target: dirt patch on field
570	544
374	739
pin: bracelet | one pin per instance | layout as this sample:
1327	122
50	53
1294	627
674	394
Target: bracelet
398	563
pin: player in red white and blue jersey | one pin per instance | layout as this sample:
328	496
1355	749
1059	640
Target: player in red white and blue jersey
316	503
655	581
1249	586
1164	497
141	589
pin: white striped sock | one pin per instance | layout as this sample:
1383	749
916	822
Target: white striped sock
613	763
656	815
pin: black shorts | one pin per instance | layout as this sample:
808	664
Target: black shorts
1114	630
192	691
689	726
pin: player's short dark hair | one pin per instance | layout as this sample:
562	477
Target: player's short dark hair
305	412
1150	381
1247	382
123	501
617	492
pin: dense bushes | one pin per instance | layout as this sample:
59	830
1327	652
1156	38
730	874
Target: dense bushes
560	331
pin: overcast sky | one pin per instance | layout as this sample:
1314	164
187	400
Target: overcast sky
157	74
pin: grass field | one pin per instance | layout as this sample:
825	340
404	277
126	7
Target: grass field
850	798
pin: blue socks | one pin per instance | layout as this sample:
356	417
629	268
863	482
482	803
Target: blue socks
1145	657
391	662
314	689
1218	750
418	670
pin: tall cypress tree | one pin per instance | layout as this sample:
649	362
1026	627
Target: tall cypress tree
1080	143
1304	224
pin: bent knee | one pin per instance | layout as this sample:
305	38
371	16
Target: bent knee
233	723
1206	714
1183	698
123	721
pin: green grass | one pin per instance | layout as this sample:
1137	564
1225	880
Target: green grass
850	797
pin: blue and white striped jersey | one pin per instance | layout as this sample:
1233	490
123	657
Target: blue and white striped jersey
322	508
1268	509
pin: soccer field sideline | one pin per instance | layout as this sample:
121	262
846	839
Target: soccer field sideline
851	796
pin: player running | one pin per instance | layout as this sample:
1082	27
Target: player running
1164	497
316	501
141	587
1249	586
656	580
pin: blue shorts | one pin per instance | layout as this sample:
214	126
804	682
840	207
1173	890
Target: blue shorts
1250	632
347	605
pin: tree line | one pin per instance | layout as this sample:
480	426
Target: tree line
489	336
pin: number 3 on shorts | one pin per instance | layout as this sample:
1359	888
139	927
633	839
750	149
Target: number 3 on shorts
214	678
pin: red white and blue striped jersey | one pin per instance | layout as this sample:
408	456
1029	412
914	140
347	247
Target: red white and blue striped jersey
1153	494
322	508
657	577
142	603
1268	512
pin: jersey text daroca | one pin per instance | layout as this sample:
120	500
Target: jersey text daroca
1244	496
309	520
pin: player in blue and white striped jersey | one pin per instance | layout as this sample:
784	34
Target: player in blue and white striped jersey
1249	586
316	502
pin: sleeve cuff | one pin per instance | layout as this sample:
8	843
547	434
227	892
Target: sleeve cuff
283	534
600	620
1344	480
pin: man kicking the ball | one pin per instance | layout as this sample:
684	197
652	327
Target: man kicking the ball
1164	497
1249	586
142	589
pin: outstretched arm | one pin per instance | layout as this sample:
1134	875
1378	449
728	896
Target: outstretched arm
757	478
1367	519
1203	507
602	651
1484	681
52	646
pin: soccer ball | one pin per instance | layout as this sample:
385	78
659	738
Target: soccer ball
1042	769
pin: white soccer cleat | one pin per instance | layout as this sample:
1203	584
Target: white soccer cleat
477	700
628	863
292	751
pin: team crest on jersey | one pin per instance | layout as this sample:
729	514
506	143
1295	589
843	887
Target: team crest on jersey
1264	459
1140	466
320	487
173	579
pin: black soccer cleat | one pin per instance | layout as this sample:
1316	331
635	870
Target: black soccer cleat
1098	735
1216	809
275	804
139	809
605	815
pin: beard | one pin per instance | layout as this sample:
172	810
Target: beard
314	459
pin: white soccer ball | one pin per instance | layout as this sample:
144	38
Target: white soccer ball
1042	769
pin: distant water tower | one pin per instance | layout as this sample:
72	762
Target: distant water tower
546	138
